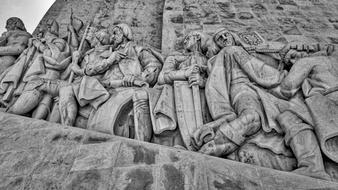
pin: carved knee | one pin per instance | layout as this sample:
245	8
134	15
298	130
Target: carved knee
251	119
26	102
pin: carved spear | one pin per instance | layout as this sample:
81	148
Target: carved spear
71	77
71	20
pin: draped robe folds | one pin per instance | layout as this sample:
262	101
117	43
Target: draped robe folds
317	78
24	69
262	77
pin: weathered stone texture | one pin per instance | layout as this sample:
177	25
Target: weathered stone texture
35	154
280	20
144	17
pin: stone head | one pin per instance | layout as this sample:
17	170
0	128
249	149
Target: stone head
100	37
50	28
224	38
15	23
121	33
192	41
53	27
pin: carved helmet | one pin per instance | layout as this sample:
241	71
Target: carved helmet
17	22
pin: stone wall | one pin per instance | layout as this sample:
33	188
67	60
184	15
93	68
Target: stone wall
280	20
39	155
145	17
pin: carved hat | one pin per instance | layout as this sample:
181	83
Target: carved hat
17	22
126	31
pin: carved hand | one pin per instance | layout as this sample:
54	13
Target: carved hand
30	42
201	136
76	56
77	70
116	57
293	55
196	79
128	80
220	146
193	69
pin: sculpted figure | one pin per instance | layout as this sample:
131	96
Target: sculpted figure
183	77
122	71
87	88
316	78
13	42
251	125
51	59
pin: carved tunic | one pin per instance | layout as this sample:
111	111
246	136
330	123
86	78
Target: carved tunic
175	67
57	50
139	60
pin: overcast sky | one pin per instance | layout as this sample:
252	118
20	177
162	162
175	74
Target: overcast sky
30	12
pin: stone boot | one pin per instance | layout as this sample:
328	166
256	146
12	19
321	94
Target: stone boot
142	120
303	142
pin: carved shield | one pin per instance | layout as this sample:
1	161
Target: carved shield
249	39
185	109
111	117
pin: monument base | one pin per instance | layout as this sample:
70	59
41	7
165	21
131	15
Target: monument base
36	154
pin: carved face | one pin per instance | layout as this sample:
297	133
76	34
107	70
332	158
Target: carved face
224	39
100	37
14	23
190	41
94	41
91	34
117	36
49	30
10	26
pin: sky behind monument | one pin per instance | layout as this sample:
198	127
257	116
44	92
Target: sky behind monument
30	11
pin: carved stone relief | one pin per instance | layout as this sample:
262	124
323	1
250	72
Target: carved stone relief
214	90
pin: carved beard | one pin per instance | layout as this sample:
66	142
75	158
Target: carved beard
225	40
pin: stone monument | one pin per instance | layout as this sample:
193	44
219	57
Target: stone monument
171	94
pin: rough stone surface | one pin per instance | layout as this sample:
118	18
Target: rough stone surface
35	154
40	155
279	20
145	17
